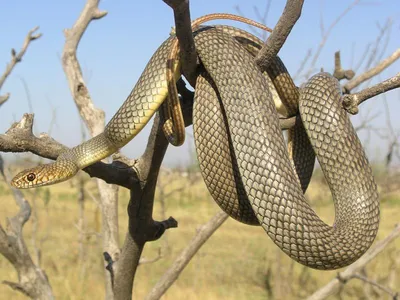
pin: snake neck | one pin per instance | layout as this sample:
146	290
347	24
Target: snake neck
89	152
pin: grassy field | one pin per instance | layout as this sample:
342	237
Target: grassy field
238	262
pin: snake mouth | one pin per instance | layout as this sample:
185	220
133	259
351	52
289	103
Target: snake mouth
19	184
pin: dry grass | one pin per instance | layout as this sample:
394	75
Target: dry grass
238	262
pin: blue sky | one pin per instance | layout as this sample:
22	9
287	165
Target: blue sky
115	50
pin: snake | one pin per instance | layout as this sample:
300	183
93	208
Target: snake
225	186
234	91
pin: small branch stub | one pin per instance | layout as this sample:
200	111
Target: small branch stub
339	73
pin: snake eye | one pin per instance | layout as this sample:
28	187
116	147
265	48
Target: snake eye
31	177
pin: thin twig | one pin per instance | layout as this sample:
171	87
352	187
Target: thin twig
264	17
352	101
349	86
16	58
144	261
374	52
334	285
303	64
326	34
202	235
387	290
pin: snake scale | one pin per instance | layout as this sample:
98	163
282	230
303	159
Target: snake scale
237	128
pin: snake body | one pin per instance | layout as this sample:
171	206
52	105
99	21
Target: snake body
141	104
267	175
263	173
219	170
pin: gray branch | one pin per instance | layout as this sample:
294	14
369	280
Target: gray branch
183	30
32	281
372	72
326	34
352	101
20	138
140	176
281	31
16	58
95	120
142	227
92	116
172	274
339	73
375	284
334	285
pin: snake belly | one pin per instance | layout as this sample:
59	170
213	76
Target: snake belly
266	173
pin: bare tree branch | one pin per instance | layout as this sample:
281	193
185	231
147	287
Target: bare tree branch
326	34
140	176
374	52
16	58
277	38
19	138
349	86
203	234
184	34
375	284
142	227
351	102
144	261
303	64
333	286
261	18
4	98
264	17
94	119
339	73
252	29
362	58
32	281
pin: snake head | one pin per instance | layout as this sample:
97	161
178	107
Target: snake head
44	175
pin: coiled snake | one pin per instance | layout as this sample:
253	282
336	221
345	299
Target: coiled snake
254	168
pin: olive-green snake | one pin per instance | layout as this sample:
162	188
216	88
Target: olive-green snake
248	159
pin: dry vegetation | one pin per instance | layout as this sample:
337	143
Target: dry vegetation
238	262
